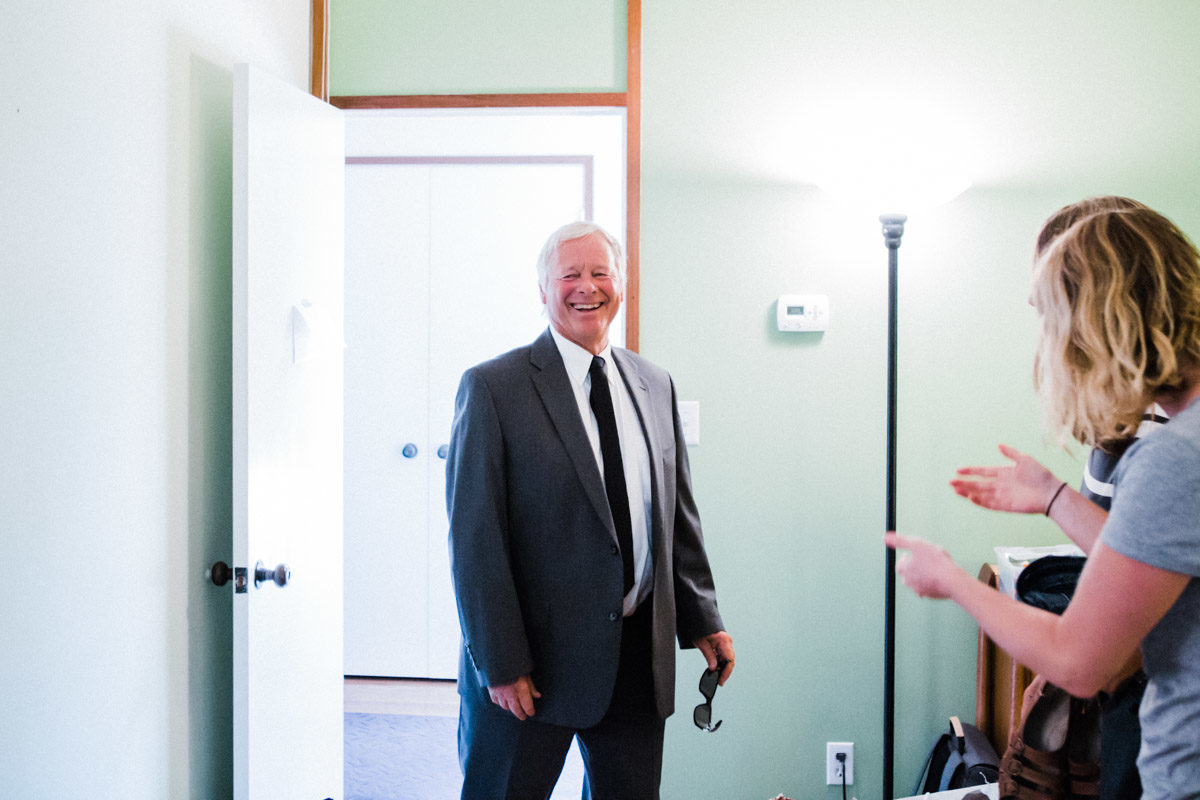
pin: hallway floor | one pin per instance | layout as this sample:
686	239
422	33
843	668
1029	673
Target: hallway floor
401	742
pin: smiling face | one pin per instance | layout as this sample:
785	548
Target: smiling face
583	291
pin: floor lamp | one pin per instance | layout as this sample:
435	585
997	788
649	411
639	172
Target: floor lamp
893	230
921	181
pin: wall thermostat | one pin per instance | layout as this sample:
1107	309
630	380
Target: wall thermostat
802	312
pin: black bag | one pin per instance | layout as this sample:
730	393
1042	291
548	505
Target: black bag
1048	582
962	756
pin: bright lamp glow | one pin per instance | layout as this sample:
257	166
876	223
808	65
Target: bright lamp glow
895	188
888	156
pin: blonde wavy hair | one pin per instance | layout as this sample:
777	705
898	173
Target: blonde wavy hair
1117	286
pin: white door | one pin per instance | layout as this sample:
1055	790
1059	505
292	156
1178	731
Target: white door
387	443
511	208
445	214
287	440
439	276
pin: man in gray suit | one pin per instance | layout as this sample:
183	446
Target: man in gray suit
575	547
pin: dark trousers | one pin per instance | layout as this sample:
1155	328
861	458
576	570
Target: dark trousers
503	757
1120	739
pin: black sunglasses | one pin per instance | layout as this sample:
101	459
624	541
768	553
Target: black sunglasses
702	716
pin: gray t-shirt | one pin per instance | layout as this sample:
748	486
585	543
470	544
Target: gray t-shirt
1155	519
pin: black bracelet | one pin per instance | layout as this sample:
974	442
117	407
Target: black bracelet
1061	486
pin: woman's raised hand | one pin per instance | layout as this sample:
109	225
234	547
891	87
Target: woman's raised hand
1025	487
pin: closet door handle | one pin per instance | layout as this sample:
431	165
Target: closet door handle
409	450
443	450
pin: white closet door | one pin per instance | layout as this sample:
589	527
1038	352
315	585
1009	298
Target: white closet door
440	275
387	354
488	225
446	214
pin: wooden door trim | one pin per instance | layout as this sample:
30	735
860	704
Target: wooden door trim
319	75
547	100
633	168
630	100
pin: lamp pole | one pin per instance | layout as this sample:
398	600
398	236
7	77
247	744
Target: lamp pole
893	230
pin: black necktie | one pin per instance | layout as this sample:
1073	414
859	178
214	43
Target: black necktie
614	469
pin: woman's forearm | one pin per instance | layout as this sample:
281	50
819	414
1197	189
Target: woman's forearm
1116	602
1079	518
1033	637
1024	632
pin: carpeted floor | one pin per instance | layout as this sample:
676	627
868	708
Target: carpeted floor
400	757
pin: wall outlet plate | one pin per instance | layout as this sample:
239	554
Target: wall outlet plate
833	767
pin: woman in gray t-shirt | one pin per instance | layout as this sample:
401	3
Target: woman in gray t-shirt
1118	293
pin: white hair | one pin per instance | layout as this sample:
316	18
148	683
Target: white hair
569	232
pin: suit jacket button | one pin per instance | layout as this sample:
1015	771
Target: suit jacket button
616	551
613	616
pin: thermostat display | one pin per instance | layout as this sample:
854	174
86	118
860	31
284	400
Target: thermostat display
802	312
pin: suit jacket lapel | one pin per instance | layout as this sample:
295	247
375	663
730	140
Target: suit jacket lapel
553	386
639	391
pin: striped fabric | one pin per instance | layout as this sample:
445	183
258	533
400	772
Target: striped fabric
1097	477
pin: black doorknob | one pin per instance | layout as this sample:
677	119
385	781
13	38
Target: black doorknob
220	573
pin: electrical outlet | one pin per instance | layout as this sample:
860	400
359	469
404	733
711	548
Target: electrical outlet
833	767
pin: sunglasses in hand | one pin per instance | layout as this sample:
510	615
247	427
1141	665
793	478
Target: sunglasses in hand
702	716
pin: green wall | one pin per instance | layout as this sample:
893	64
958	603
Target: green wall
1050	104
470	46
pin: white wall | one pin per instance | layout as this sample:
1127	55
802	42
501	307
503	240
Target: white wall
114	387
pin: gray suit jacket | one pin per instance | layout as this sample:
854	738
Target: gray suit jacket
533	549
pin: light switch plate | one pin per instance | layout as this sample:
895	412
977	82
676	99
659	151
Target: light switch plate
689	415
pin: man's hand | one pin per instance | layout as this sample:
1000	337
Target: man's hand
1026	487
717	648
516	697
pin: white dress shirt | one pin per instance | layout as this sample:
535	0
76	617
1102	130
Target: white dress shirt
635	456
